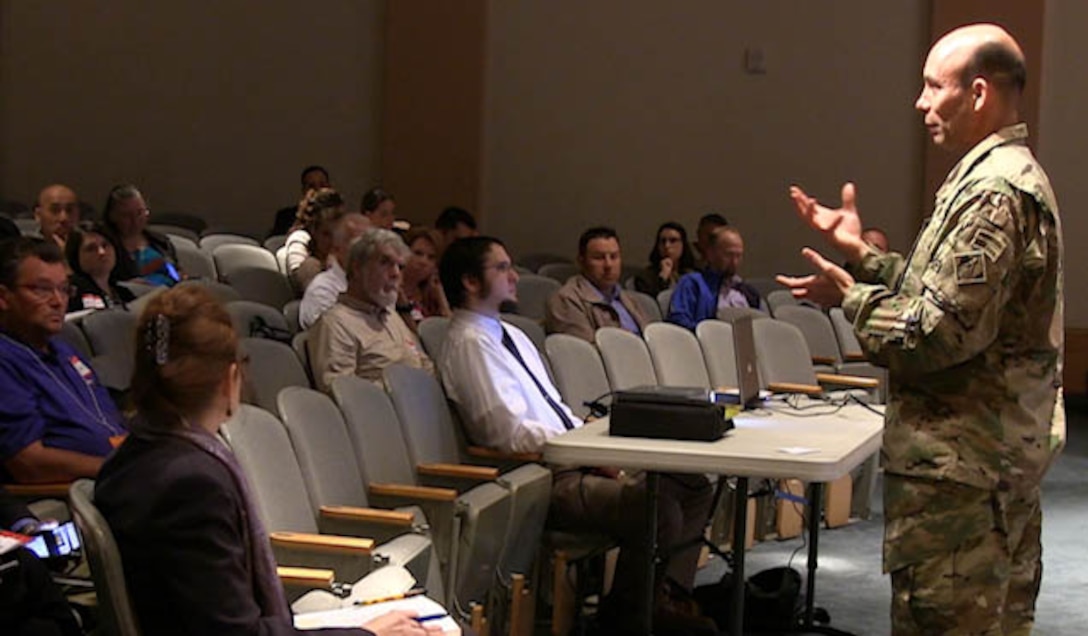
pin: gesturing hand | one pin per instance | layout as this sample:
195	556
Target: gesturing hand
841	226
825	288
399	623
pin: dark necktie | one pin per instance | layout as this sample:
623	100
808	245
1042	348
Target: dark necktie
508	342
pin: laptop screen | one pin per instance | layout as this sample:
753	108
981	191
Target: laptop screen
744	345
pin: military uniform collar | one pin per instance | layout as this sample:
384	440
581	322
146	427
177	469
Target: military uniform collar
1016	133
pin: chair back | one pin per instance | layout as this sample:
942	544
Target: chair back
263	449
677	358
230	257
323	448
195	262
291	312
210	242
782	353
112	336
191	222
274	243
818	331
719	352
648	304
272	367
114	603
175	232
266	286
779	298
729	314
533	261
424	415
300	343
432	333
248	318
534	291
72	333
375	431
664	301
579	372
626	359
223	293
844	332
559	272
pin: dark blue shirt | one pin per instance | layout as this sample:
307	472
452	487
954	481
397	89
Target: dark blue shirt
54	398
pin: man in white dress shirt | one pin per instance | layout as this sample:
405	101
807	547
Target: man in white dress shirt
495	377
322	292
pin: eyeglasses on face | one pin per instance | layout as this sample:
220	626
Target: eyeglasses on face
43	291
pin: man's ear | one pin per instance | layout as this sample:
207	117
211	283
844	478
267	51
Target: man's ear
981	93
470	283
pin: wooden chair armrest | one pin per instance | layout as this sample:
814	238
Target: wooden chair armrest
825	360
853	381
322	542
413	492
854	356
305	577
793	387
372	515
459	471
38	490
490	453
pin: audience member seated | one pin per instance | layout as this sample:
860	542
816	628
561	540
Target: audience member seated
307	246
31	604
594	298
495	377
699	295
670	258
323	291
197	558
876	237
91	259
142	255
707	224
57	212
313	178
380	207
362	333
454	223
421	291
57	422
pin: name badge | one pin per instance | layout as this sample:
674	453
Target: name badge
116	440
91	301
83	370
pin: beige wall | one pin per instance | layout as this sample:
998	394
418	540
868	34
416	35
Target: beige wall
1064	137
632	113
210	107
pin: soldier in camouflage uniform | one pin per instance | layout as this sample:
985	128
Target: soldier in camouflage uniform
969	325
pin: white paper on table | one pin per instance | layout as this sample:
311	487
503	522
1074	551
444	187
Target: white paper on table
798	450
356	616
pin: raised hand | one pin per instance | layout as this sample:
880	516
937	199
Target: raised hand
840	226
825	288
666	268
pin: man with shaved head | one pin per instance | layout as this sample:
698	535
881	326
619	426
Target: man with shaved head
57	212
970	327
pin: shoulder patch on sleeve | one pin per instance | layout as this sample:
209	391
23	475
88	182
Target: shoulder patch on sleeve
991	243
970	267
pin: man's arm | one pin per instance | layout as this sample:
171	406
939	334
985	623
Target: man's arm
682	306
40	464
479	379
332	351
966	285
317	299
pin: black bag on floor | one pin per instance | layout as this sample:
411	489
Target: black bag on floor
772	600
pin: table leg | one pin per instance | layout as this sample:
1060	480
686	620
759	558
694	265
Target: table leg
740	531
815	506
651	534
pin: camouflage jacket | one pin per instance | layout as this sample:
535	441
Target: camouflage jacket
969	325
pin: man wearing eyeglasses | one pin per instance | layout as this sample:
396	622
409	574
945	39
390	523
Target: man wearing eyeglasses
57	423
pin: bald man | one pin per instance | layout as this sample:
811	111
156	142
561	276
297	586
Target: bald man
970	327
57	212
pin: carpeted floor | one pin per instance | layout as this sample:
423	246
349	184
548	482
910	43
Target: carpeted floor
851	586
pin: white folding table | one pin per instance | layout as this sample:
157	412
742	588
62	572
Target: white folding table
817	444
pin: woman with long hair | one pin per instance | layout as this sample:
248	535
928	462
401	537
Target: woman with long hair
310	239
91	258
197	558
670	258
142	254
421	291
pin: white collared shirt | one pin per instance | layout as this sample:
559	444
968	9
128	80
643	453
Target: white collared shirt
498	401
321	294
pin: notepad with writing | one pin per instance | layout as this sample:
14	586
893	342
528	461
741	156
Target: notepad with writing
358	615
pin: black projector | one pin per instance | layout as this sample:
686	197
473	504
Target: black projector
668	413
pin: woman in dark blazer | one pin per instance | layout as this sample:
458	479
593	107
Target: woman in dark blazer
197	559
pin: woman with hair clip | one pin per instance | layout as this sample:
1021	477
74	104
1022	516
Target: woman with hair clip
670	258
306	251
197	558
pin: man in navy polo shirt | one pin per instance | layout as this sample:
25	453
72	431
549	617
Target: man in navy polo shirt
57	423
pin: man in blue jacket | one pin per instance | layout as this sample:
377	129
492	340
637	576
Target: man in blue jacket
699	295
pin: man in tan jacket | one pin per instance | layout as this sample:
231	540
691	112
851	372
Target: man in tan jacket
594	298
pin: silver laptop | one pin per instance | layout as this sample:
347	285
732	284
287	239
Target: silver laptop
744	345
